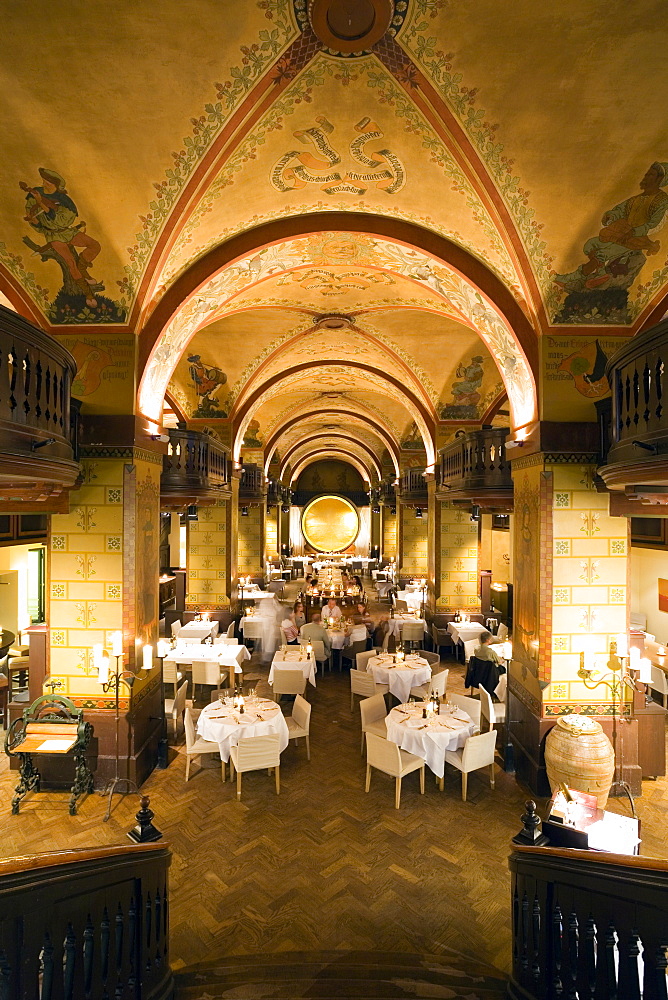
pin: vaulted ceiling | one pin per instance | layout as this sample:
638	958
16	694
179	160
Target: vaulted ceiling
354	243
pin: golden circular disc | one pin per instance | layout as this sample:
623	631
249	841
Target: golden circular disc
330	523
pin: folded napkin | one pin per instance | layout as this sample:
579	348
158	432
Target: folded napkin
417	723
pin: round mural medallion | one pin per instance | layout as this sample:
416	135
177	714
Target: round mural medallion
330	523
351	27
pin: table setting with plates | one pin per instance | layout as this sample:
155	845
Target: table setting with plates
397	623
198	630
294	658
223	722
429	738
399	674
337	631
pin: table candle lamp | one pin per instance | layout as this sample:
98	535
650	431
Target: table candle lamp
309	650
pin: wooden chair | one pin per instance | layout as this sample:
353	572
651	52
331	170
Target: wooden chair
489	710
287	681
350	652
299	723
436	686
195	746
255	753
477	752
373	712
400	606
386	756
440	637
469	705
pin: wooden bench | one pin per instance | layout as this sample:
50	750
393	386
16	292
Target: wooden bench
52	725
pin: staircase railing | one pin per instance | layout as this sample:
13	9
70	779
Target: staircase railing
86	924
588	926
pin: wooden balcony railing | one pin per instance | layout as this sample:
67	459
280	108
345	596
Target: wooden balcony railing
474	470
635	453
587	924
37	435
413	487
252	485
86	923
388	493
195	469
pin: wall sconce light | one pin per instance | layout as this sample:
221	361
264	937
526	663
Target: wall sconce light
192	512
475	512
244	511
285	508
418	512
393	510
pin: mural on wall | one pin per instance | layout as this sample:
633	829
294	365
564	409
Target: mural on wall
148	542
597	291
466	391
412	440
207	380
91	362
527	571
587	368
51	213
382	168
252	437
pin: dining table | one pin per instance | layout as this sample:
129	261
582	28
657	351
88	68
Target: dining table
223	723
429	738
412	597
399	675
397	623
294	658
226	656
198	630
465	631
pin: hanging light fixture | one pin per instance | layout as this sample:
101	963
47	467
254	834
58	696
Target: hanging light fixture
418	512
244	511
192	512
475	512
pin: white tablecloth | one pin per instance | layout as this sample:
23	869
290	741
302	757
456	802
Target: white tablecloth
197	630
338	637
465	631
225	726
414	672
397	623
443	732
413	598
291	661
227	656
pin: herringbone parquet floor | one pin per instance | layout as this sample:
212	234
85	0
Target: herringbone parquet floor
324	866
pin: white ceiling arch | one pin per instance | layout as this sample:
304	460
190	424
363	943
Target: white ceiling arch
318	446
310	459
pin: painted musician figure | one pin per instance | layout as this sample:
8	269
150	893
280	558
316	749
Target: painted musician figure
52	213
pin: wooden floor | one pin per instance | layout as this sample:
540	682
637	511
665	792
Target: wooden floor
324	866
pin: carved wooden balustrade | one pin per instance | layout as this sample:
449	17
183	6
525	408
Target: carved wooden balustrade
474	469
195	470
87	923
635	452
388	493
37	436
413	488
252	485
588	925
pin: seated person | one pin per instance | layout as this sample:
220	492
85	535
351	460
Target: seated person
314	630
358	632
365	616
331	609
484	650
298	615
381	630
358	583
291	631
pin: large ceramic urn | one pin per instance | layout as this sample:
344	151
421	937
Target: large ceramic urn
578	752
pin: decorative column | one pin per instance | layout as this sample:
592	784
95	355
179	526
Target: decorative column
453	551
250	559
570	596
208	580
104	568
412	556
389	534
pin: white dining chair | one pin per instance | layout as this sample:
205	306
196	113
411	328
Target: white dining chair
660	684
490	711
413	632
373	713
477	752
361	683
470	646
386	756
253	630
469	705
208	673
254	753
400	606
175	626
175	707
230	630
171	675
362	658
299	723
287	681
195	746
386	639
502	632
319	652
436	686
